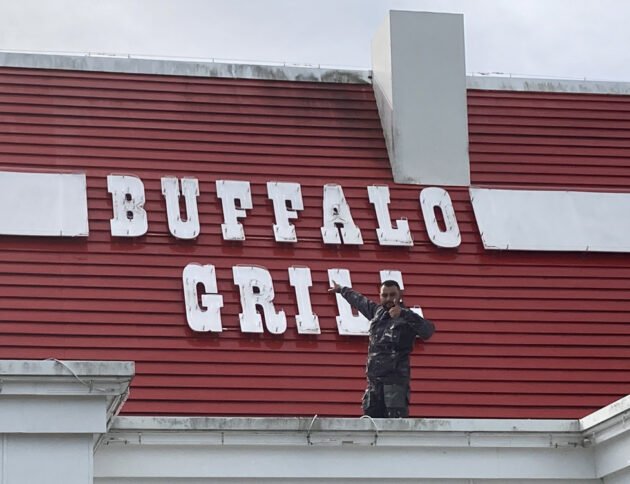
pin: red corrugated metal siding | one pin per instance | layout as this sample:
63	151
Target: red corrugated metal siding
549	140
519	335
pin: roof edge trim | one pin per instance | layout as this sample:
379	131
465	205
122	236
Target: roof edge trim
281	72
183	67
296	424
489	83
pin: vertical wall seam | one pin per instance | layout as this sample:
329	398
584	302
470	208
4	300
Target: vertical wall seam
3	452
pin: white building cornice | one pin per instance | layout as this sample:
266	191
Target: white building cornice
53	414
182	67
454	451
248	70
44	396
526	84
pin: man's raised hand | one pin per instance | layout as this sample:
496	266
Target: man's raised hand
395	310
335	287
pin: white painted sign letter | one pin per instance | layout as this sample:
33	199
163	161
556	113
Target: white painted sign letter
307	321
130	218
198	318
229	192
432	199
337	218
387	235
281	193
347	322
182	229
256	289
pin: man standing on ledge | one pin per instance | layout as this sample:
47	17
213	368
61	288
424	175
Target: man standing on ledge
393	329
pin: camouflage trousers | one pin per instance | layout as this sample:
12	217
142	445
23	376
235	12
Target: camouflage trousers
386	400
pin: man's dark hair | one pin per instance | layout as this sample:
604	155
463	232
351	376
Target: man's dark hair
390	283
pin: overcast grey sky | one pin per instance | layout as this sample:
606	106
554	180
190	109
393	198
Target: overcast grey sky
544	38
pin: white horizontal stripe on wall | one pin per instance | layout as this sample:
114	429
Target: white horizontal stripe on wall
43	204
552	220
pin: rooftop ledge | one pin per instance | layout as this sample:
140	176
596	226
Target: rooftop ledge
182	67
326	424
18	369
312	449
605	424
282	72
54	396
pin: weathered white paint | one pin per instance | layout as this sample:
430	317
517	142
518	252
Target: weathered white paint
386	233
43	204
130	217
336	218
282	71
347	322
256	289
508	83
432	199
186	227
281	193
203	303
552	220
230	192
53	413
207	318
429	451
306	320
608	432
83	383
419	79
507	219
183	67
608	415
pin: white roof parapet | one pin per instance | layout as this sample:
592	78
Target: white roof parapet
505	83
182	67
311	449
53	414
351	449
316	424
252	70
39	390
607	431
618	410
481	433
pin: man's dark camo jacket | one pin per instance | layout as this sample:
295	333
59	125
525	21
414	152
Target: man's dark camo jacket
391	339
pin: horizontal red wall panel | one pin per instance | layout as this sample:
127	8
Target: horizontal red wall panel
549	140
520	335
